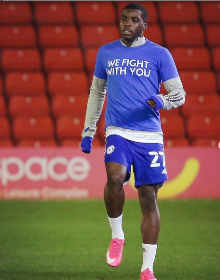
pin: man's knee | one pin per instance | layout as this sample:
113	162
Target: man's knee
115	180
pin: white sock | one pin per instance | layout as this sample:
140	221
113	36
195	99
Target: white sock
149	254
116	226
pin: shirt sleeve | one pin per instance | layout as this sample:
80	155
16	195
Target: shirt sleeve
167	67
100	71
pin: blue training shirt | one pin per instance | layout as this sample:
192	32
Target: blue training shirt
133	74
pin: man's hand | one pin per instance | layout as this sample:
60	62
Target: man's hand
155	102
152	103
86	144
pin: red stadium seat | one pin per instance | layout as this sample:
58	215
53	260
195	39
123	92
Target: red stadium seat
205	142
72	106
216	58
6	143
205	126
54	12
28	84
173	127
5	131
2	106
71	83
188	35
58	36
218	77
201	104
176	142
210	11
178	12
90	58
149	5
37	143
76	143
21	59
15	13
213	35
190	58
33	128
1	85
170	113
101	128
97	35
200	82
69	128
154	34
58	59
95	12
17	36
23	106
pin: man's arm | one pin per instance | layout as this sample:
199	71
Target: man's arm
93	112
174	98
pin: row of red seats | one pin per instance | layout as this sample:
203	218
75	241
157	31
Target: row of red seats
106	12
198	126
75	60
75	106
76	83
185	35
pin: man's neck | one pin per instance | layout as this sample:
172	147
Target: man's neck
137	42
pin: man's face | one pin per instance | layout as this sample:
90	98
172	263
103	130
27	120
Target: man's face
131	24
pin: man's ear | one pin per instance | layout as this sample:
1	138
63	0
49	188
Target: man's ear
144	26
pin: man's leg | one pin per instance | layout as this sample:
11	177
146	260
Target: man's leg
150	226
114	193
114	200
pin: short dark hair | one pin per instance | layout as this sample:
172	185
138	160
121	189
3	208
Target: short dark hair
137	6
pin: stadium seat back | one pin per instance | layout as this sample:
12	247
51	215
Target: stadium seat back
213	35
35	106
69	128
97	35
178	12
68	83
173	127
21	59
74	106
210	11
216	58
58	59
90	58
33	128
205	126
201	104
200	82
190	58
28	84
53	12
99	12
58	36
17	36
15	13
176	142
37	143
184	35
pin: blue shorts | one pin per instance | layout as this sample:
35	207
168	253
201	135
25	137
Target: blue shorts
148	159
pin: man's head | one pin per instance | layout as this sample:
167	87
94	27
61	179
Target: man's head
132	22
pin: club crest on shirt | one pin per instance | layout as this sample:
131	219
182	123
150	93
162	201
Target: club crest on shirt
110	149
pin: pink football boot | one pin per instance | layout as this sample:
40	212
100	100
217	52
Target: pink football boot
115	250
147	275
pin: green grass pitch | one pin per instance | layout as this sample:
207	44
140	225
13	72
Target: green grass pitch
43	240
